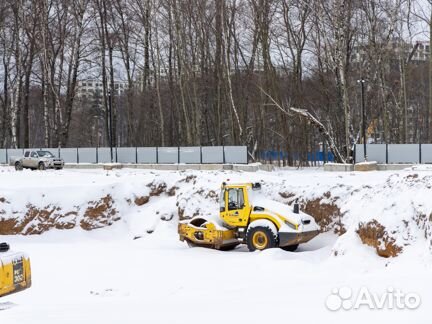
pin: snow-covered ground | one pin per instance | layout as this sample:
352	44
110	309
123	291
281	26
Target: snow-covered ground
107	276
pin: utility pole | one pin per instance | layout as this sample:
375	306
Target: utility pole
110	124
362	82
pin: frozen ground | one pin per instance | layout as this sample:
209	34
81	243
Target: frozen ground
104	276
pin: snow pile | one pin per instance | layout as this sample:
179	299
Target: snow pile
106	276
389	211
34	202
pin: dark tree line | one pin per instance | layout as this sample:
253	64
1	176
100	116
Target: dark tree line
209	72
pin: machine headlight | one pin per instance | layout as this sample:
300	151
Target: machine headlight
293	226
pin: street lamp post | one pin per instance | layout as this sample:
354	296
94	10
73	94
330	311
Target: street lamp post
362	82
110	125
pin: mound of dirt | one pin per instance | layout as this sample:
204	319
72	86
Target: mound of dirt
38	220
326	213
374	234
142	200
99	214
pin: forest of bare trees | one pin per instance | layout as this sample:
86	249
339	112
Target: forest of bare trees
213	72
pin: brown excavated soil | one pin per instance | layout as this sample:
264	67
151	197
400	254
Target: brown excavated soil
157	190
212	195
324	210
39	220
326	214
189	178
374	234
180	212
99	214
286	195
36	221
139	201
172	191
8	226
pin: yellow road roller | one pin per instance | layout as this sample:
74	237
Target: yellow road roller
247	217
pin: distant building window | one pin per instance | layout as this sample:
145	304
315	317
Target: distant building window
84	84
90	84
427	48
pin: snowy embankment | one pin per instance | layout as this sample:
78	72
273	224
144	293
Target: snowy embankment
387	210
109	252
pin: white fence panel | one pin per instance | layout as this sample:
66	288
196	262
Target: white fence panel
13	154
54	151
375	152
69	155
87	155
235	154
403	153
104	155
190	154
426	153
3	158
212	154
126	155
168	155
147	155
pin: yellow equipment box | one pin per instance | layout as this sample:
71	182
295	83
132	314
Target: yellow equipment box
15	272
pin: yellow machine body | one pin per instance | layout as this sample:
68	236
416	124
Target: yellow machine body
237	212
15	272
207	235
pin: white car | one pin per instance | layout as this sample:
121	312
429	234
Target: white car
40	160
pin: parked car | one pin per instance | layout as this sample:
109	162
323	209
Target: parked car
41	160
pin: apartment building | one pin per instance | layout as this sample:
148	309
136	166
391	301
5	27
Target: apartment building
92	88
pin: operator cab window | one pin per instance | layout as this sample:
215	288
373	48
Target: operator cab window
235	199
222	201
